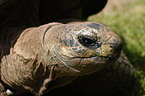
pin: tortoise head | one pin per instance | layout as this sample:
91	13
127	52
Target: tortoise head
83	47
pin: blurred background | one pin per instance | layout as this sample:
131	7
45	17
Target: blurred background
127	19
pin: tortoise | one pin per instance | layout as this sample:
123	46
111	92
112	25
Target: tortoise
60	54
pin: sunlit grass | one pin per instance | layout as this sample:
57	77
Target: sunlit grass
129	23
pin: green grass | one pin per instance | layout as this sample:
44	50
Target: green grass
129	23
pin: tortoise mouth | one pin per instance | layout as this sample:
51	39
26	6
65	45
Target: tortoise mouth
97	59
87	65
84	65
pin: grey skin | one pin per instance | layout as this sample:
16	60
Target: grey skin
36	61
55	54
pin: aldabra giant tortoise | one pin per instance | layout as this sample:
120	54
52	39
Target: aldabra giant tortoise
74	59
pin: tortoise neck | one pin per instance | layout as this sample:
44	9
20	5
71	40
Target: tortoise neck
16	16
8	37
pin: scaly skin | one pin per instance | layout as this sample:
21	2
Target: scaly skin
115	80
55	54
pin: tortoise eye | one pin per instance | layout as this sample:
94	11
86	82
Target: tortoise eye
87	41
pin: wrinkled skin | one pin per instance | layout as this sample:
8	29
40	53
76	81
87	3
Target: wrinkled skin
55	54
35	60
